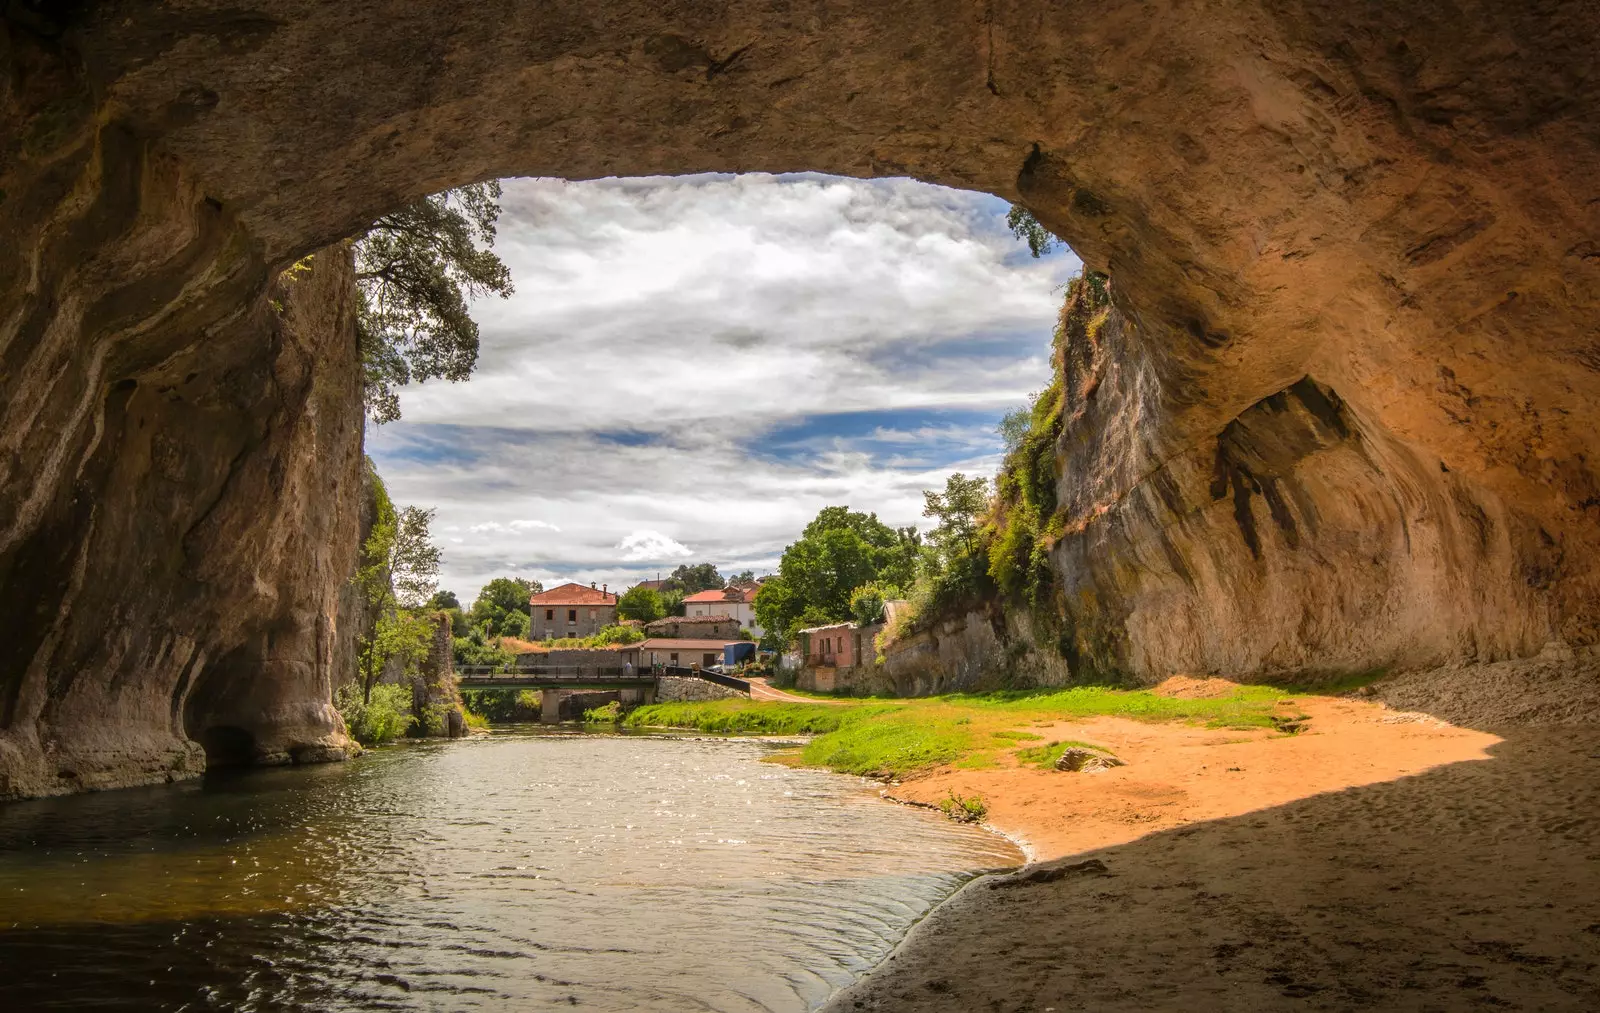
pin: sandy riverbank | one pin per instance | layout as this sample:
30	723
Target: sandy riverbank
1380	859
1178	774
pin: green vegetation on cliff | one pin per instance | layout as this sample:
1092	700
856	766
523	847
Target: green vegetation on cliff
882	738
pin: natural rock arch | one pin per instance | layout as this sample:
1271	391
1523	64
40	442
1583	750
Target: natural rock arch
1395	200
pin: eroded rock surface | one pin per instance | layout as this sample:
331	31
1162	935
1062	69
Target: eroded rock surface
1346	418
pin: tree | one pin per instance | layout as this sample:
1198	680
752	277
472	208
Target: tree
700	577
776	607
838	552
641	603
415	270
500	597
957	510
515	624
743	577
444	600
866	602
397	575
1026	227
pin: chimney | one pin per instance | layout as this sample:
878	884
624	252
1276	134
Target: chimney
605	589
591	585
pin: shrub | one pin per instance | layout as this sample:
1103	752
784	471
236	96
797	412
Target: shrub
963	809
383	718
609	714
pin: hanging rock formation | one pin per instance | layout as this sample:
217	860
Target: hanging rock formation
1348	416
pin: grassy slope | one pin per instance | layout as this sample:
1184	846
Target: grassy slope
895	738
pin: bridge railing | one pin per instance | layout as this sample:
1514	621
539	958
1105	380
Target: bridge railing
549	671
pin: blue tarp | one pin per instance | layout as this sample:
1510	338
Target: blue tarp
733	654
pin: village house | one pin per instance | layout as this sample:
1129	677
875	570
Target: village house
703	627
571	610
842	657
679	652
738	603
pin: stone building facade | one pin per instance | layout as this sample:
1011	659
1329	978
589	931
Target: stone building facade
706	627
571	610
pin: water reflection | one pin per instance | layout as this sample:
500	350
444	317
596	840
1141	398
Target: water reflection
611	872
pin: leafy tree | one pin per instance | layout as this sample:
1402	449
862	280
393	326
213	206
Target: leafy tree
397	575
839	551
776	608
699	577
1026	227
415	270
641	603
957	510
743	577
866	602
500	597
515	624
444	600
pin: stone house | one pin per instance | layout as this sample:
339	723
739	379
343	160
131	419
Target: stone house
839	658
571	610
701	627
737	603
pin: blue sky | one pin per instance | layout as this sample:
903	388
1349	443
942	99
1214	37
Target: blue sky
691	367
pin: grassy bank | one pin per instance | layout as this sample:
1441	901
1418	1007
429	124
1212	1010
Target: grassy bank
895	738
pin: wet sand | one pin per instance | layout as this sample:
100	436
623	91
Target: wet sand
1381	859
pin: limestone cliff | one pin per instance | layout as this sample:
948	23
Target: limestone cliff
185	607
1345	416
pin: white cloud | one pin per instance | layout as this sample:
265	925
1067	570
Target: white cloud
650	547
513	526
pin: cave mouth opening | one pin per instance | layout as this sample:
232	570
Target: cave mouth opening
813	339
228	746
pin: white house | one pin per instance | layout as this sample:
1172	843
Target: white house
735	602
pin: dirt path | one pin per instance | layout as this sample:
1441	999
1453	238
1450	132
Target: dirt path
759	690
1381	860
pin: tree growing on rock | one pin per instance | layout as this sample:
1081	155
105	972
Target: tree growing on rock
398	574
415	270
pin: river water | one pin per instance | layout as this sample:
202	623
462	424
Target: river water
521	870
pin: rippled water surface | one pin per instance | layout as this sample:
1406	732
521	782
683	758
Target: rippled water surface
513	871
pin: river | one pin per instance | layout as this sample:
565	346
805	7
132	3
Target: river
519	870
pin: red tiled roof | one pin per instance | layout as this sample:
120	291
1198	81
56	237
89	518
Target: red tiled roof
573	594
668	620
721	594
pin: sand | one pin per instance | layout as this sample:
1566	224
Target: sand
1381	859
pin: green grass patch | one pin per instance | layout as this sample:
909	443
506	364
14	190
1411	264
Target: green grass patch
895	739
1045	757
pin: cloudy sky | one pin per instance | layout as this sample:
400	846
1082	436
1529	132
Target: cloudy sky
692	367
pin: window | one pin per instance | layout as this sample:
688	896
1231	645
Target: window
707	660
674	657
591	615
572	615
549	615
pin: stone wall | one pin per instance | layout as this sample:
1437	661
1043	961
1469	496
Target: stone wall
582	658
681	688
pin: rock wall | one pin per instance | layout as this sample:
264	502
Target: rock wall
1394	202
192	613
435	697
1301	538
679	689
